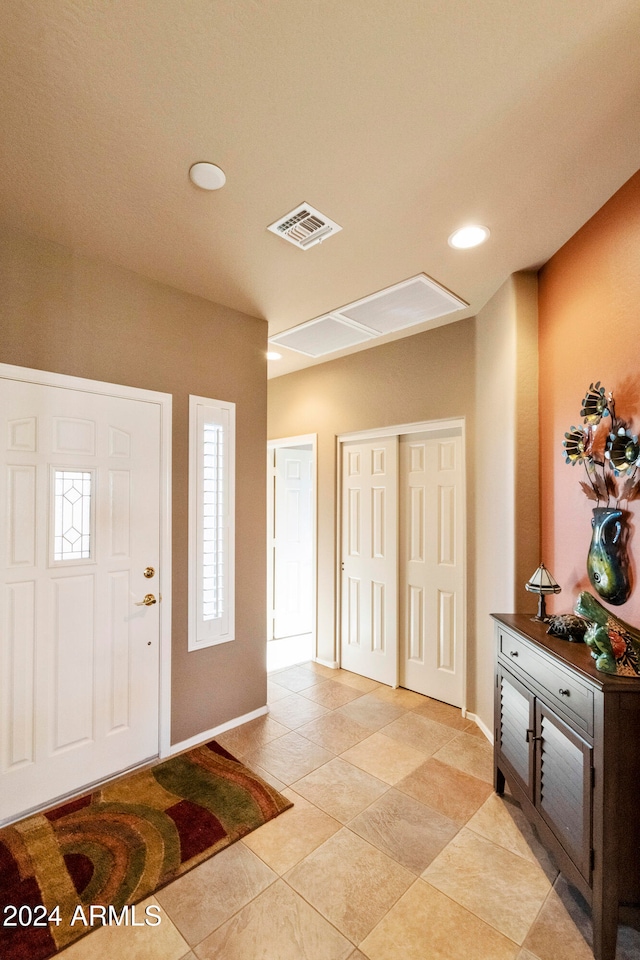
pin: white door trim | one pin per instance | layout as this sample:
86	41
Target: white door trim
452	425
164	401
424	426
272	445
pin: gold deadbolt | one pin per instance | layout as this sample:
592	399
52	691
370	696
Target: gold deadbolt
149	572
148	601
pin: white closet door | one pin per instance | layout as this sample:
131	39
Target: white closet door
369	558
79	652
431	567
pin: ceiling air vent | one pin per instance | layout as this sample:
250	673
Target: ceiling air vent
304	227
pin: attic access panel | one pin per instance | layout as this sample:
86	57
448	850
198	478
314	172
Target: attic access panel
402	305
324	335
405	304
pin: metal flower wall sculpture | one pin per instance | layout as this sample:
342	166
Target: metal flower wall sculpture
595	448
610	453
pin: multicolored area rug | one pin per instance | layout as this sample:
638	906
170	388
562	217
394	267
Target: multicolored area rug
91	860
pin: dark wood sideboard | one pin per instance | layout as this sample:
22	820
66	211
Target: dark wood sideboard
567	741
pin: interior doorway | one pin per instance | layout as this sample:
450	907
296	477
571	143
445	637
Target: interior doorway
291	551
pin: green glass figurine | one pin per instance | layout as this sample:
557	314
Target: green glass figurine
615	645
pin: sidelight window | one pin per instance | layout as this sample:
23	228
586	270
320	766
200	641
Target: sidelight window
211	521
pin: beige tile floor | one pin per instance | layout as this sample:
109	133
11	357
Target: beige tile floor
396	847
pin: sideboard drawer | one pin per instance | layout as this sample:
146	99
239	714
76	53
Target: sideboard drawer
561	686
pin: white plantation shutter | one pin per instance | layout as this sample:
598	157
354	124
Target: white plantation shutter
211	521
211	582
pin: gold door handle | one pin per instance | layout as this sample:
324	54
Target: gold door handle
148	601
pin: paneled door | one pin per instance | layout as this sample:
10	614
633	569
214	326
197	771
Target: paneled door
431	567
293	542
79	554
369	558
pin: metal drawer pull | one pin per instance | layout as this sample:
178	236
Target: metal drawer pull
530	738
564	693
513	653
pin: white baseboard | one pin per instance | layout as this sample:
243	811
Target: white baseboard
216	731
332	664
488	734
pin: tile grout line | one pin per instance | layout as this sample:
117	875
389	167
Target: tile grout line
471	913
387	787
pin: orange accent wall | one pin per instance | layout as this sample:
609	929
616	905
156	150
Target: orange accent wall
589	330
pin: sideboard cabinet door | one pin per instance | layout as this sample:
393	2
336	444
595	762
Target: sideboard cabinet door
516	727
563	786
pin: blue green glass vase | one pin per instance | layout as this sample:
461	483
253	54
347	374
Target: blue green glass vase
607	559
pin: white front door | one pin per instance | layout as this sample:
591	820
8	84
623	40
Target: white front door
431	567
79	652
293	526
369	558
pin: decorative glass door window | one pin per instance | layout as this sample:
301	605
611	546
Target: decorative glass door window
211	522
72	513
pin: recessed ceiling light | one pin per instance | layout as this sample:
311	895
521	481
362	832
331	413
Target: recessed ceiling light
467	237
272	355
207	176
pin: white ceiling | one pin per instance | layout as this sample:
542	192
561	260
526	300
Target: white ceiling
399	121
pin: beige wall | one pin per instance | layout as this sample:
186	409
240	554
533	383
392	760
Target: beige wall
86	318
426	377
506	493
